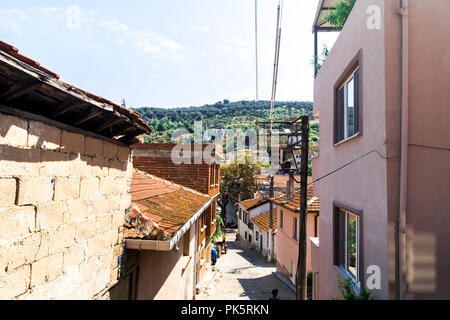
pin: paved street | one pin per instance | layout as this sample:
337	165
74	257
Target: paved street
242	274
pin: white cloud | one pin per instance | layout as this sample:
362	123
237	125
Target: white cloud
113	25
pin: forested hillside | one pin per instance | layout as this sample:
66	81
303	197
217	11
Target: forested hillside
229	115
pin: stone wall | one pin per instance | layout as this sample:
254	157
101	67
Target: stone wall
62	201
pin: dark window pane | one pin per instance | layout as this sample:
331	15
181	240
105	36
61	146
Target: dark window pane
295	228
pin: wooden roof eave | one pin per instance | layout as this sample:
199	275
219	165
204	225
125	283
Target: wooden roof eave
318	24
36	76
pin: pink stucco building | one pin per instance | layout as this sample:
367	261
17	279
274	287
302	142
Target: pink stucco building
382	97
288	231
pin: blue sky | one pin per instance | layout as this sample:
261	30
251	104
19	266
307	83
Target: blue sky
167	53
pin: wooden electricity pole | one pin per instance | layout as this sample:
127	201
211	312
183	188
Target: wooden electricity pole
301	284
271	197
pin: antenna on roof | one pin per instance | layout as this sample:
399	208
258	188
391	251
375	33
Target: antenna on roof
124	103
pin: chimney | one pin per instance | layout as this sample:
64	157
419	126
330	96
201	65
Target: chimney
290	188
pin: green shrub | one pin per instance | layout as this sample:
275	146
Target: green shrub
338	17
348	293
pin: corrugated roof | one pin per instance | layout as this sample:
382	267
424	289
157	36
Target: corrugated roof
168	204
28	77
263	220
294	205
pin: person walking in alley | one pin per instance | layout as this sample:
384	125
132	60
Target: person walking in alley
213	255
274	295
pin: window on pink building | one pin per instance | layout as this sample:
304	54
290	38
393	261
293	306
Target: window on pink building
347	105
347	242
295	236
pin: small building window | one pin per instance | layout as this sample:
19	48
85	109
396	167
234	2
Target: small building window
295	229
347	108
257	236
186	243
217	174
281	219
245	235
347	242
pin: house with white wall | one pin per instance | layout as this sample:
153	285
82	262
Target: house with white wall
261	241
253	224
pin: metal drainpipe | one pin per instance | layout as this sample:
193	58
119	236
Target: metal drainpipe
403	10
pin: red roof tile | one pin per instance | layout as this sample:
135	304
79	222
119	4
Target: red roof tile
263	220
168	204
14	52
294	205
252	203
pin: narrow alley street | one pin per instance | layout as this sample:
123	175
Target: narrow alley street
242	274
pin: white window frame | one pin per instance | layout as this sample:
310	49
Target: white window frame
345	266
345	86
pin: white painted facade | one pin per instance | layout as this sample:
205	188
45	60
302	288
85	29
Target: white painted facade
261	241
250	233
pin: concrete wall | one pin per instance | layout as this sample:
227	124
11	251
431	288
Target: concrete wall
372	183
167	275
363	183
264	250
428	217
63	197
287	246
242	227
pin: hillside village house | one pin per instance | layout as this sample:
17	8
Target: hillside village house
382	97
247	209
161	239
253	225
261	240
155	159
288	222
65	174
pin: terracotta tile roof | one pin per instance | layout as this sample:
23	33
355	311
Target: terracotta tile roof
168	204
263	220
252	203
294	205
14	52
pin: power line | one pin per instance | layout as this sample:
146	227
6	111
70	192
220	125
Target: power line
275	66
349	163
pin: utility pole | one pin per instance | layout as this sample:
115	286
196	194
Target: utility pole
271	246
300	280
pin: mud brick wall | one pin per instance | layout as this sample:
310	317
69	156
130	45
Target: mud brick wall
62	201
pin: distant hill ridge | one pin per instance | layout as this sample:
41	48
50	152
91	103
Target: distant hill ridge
225	114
